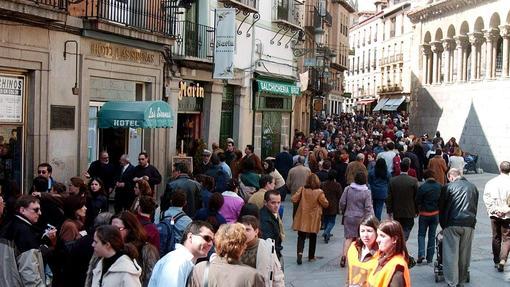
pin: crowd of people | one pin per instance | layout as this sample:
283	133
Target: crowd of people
222	222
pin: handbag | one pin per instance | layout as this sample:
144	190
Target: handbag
345	207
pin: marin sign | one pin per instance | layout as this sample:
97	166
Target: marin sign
279	88
191	90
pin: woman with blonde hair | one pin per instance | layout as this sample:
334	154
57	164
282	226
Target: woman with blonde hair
226	269
456	160
307	221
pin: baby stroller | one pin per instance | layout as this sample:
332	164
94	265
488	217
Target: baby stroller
438	264
471	161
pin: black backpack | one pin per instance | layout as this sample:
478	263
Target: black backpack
168	233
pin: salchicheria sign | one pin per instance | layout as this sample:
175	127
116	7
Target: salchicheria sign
279	88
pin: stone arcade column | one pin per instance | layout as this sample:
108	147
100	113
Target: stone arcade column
505	33
437	49
448	46
425	52
491	38
476	40
461	45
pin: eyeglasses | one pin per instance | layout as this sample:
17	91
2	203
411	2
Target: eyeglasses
36	210
207	238
42	172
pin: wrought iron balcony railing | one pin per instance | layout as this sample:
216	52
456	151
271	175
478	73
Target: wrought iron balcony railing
56	4
312	18
194	40
156	16
241	4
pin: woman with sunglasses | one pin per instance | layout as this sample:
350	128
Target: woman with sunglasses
363	253
133	232
117	266
391	269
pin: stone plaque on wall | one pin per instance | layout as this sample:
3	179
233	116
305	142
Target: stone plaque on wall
62	117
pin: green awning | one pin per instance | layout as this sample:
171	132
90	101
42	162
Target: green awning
279	88
139	114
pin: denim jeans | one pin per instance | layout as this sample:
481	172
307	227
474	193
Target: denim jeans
329	223
378	207
424	223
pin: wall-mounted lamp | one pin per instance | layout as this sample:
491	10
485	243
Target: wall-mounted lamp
75	89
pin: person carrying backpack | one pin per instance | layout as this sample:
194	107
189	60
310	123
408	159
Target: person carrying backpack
172	223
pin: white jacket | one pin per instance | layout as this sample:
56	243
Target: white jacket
124	272
496	196
268	264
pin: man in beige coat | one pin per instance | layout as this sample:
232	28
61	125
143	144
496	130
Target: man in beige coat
297	178
354	167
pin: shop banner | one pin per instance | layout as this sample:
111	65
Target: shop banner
11	98
278	88
225	43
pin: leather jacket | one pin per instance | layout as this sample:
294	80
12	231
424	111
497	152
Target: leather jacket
458	204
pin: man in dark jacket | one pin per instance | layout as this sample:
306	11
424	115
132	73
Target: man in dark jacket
124	193
28	241
144	170
401	201
284	162
427	200
270	222
181	180
457	215
333	192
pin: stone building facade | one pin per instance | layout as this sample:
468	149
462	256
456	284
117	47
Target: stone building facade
460	75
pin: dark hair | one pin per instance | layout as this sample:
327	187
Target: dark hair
181	167
24	201
216	201
360	178
59	187
250	147
265	179
313	181
371	221
381	169
222	157
215	160
46	165
178	198
238	153
79	183
429	174
332	174
144	187
250	220
249	209
206	181
232	184
144	154
247	164
194	228
405	164
136	232
393	229
439	151
40	184
269	193
101	185
73	203
390	146
111	234
326	164
147	204
270	166
504	167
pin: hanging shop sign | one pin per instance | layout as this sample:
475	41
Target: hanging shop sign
279	88
11	98
224	43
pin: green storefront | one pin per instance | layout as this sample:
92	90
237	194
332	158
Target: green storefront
273	114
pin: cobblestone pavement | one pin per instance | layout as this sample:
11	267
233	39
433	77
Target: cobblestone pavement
327	271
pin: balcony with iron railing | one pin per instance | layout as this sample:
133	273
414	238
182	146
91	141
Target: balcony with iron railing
193	42
151	20
34	10
313	19
249	6
288	15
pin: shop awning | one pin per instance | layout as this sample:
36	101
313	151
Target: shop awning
380	104
365	102
393	104
139	114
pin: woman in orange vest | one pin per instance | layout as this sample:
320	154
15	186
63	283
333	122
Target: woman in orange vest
363	253
392	269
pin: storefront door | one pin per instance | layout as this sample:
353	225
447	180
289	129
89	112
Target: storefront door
227	115
271	133
188	129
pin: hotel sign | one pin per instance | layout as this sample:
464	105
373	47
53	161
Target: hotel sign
121	53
